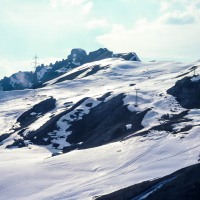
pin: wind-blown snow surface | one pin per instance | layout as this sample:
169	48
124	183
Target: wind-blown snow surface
31	172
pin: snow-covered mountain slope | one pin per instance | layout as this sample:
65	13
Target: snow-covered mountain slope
111	138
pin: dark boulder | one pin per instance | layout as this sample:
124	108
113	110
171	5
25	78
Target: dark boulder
187	92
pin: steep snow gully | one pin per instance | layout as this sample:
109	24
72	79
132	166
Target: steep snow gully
101	126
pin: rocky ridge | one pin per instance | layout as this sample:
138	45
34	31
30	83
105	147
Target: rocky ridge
42	73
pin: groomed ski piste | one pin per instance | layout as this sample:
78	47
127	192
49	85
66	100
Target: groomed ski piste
31	173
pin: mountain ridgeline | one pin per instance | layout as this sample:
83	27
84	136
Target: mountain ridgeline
42	74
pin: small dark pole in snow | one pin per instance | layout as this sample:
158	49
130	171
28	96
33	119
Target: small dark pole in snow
136	97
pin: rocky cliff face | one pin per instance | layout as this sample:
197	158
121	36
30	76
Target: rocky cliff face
187	92
42	74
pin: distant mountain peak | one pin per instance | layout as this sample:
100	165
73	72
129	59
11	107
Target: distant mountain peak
42	74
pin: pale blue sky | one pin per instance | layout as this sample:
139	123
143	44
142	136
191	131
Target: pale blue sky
154	29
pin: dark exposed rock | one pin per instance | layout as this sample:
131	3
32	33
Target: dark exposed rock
103	98
183	184
41	108
4	136
181	75
186	92
99	54
105	123
71	76
50	73
56	154
19	143
17	81
127	56
77	56
68	104
28	118
170	121
167	124
95	69
89	104
55	145
21	132
103	53
37	136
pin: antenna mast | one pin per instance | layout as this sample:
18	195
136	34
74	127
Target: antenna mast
35	61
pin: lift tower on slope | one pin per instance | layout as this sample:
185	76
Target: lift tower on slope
136	96
35	61
35	64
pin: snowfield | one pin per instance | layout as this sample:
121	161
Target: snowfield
32	173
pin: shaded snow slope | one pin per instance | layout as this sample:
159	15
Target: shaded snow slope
164	140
